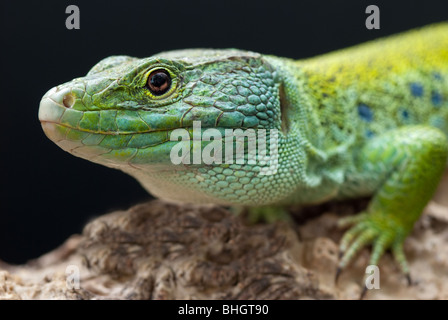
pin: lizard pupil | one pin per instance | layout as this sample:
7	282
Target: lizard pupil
159	82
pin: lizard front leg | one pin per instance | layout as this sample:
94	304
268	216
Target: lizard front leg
407	165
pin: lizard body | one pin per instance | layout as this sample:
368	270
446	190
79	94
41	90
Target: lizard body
368	120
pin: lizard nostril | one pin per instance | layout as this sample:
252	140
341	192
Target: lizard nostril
68	100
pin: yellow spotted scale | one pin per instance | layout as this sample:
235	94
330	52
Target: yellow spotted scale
368	120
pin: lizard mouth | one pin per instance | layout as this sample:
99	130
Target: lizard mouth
105	136
107	128
105	122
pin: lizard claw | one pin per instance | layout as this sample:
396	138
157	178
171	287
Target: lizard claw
338	273
409	279
363	292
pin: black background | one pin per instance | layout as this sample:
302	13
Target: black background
48	194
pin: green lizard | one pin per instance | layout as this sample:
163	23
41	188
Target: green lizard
368	120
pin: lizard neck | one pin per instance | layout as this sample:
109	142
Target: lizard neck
318	160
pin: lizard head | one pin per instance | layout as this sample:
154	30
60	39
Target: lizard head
124	112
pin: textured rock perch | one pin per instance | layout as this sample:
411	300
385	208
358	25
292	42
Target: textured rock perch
158	250
164	251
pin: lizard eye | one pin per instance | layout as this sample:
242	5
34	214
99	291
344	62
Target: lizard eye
159	82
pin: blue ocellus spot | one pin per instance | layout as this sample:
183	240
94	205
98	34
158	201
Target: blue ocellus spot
405	114
416	89
365	112
436	98
437	75
370	134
